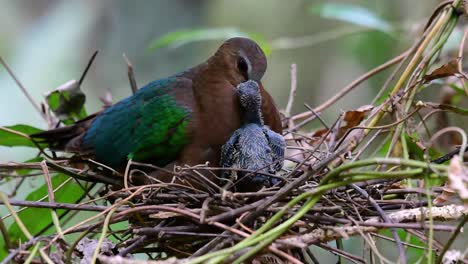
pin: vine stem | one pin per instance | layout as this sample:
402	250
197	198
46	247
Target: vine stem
440	23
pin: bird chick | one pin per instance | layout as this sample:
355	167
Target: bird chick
254	146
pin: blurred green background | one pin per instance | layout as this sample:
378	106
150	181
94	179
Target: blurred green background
48	42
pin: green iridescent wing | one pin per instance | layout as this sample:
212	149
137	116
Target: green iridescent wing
148	126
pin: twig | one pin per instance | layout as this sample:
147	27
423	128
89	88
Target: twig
352	85
89	177
317	116
90	62
42	198
385	219
103	235
341	253
24	246
292	91
131	75
449	212
67	206
50	192
23	89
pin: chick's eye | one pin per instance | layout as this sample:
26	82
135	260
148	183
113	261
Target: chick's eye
242	66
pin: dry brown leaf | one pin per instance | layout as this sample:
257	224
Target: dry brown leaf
352	119
446	196
446	70
319	133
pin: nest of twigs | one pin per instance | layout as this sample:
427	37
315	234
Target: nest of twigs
377	167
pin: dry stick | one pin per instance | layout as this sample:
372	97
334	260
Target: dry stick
118	204
423	238
89	177
17	185
131	74
416	226
127	170
40	200
391	239
23	247
292	91
50	192
103	234
317	115
303	123
216	243
444	213
342	253
90	62
21	134
133	246
377	127
272	248
385	219
286	256
114	172
55	205
261	205
353	85
196	217
23	89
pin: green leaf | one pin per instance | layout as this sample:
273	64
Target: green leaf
353	14
38	220
179	38
67	102
415	151
413	254
10	139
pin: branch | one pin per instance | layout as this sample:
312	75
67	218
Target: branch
444	213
